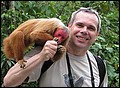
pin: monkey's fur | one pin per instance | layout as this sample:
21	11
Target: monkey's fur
32	31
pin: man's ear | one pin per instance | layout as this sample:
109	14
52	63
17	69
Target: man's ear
97	34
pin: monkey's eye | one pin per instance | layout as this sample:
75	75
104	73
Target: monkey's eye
60	35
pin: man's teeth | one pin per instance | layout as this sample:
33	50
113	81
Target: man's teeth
82	38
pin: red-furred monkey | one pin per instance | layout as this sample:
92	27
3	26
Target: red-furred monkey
35	31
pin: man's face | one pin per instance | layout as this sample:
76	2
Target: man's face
83	30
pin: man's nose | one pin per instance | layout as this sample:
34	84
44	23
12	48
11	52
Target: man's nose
84	30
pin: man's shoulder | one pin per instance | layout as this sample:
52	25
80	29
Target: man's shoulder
32	52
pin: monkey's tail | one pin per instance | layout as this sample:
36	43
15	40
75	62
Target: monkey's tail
7	48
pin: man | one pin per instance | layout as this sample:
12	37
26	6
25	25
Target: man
77	68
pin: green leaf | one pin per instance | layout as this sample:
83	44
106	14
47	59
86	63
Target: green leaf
109	49
101	38
111	71
98	45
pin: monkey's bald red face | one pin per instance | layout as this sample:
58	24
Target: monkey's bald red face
61	34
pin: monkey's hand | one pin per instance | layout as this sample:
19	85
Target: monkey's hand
22	63
55	39
61	49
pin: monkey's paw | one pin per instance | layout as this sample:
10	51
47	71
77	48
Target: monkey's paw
21	62
55	39
61	48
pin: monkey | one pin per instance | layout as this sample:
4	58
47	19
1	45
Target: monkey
36	31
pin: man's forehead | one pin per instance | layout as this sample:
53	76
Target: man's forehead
83	14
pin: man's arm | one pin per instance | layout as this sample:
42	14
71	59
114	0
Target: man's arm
17	75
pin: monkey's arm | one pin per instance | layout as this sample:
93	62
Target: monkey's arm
40	35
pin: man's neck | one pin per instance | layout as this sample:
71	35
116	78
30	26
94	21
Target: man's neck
76	51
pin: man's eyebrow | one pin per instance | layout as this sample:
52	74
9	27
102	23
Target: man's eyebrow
81	23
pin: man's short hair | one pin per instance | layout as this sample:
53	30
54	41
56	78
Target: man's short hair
89	10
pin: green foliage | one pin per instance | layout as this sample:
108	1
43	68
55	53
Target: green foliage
106	46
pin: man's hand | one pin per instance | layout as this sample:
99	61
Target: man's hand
49	49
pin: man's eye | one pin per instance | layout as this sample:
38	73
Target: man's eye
79	25
91	28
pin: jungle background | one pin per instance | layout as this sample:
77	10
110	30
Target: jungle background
13	13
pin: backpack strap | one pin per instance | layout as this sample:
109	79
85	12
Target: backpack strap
102	69
45	66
